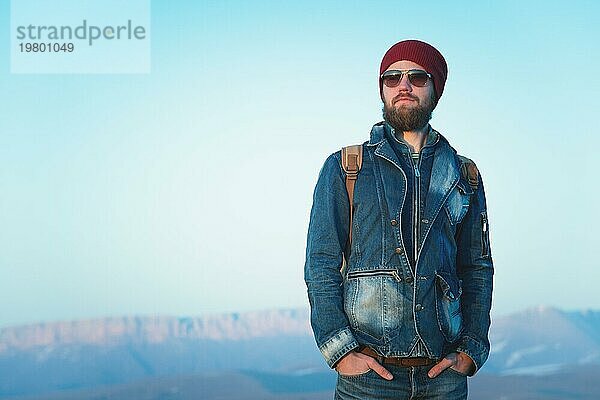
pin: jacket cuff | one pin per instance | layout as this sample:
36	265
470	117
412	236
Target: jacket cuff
475	350
338	346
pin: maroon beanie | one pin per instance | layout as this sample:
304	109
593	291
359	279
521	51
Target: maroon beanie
421	53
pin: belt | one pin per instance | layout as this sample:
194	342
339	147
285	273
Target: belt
399	361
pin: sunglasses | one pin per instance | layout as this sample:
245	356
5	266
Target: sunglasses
416	77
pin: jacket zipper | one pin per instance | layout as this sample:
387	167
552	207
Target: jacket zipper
418	199
364	274
484	235
417	174
416	209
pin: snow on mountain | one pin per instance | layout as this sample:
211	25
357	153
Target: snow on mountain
156	329
543	339
538	339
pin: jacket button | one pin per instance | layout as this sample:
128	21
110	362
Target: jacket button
394	222
409	279
425	221
418	307
398	250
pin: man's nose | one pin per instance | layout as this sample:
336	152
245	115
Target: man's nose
404	84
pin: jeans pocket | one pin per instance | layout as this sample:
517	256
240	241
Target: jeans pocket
356	376
456	372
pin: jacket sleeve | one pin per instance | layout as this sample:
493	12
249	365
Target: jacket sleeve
475	269
327	236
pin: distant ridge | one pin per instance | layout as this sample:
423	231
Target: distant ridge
539	324
542	340
45	357
157	329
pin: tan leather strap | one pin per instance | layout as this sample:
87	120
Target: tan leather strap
469	171
351	163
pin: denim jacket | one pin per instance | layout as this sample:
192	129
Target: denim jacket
380	300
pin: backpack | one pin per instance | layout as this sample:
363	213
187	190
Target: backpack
351	163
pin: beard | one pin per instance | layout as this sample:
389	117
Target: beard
404	119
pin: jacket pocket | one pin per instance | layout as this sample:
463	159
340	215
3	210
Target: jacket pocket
458	202
372	302
448	292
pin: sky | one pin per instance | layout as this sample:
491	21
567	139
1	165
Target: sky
187	190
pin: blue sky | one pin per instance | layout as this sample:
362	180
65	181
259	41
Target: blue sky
187	190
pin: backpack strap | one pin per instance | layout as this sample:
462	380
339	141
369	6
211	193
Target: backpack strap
351	163
469	171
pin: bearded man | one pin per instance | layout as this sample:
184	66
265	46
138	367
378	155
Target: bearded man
408	315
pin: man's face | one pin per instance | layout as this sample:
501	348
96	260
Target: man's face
407	107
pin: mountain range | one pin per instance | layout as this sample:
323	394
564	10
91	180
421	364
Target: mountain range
272	350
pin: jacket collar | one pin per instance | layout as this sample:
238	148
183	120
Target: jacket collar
384	149
378	134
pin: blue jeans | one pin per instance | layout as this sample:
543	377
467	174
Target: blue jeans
410	383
